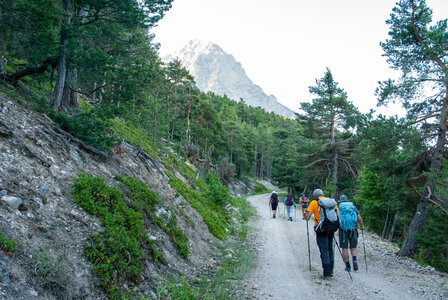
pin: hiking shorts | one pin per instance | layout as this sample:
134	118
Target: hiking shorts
348	237
304	205
274	205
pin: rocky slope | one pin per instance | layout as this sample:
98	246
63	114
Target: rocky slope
217	71
38	163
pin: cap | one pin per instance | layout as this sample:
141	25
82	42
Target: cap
343	198
318	192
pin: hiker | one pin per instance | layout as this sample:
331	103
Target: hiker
304	201
289	202
273	200
326	222
348	231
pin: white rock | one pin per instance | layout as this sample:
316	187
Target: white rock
11	201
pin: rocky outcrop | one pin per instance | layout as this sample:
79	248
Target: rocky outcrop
38	163
217	71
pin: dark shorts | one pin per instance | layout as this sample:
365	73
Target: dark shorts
274	205
347	237
304	205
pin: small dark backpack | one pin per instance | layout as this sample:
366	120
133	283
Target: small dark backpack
329	217
289	200
274	197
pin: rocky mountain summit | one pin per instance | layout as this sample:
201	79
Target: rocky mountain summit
217	71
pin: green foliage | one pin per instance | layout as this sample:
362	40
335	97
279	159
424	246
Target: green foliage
176	289
433	246
7	244
88	127
217	192
260	188
221	286
49	272
371	199
133	135
215	222
245	209
119	250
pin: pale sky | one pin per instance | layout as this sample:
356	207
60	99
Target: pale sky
285	45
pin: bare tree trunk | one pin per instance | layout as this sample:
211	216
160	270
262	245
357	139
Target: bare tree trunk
410	244
392	230
335	157
62	60
387	219
187	132
94	92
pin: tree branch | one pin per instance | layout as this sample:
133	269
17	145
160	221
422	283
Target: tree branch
420	39
15	77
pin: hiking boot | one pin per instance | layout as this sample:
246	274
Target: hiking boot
348	268
273	217
355	265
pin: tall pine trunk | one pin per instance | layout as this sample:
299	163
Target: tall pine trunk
410	244
62	59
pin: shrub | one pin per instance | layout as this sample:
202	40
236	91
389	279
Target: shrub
133	135
87	126
216	223
119	250
7	244
260	189
217	192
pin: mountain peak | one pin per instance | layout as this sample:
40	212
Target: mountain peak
217	71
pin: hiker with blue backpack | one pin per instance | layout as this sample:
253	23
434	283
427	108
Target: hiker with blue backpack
289	202
348	231
326	222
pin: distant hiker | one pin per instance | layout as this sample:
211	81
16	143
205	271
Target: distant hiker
304	202
348	231
326	222
289	202
273	200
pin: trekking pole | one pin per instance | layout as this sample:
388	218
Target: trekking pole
364	245
308	237
342	257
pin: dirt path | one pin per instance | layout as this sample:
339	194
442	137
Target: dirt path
282	269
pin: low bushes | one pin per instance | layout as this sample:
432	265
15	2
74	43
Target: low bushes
118	252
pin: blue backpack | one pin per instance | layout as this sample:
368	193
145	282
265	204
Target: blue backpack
349	219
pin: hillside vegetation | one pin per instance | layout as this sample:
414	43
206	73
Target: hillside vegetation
94	70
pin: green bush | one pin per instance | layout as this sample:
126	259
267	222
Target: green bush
173	288
146	200
217	192
432	246
260	189
215	222
7	244
88	127
133	135
118	251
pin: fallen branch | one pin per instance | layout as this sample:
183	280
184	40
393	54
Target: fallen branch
145	156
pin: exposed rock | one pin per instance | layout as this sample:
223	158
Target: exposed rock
12	202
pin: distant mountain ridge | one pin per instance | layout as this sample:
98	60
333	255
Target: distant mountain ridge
217	71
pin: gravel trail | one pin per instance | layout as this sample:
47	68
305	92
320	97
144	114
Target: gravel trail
282	269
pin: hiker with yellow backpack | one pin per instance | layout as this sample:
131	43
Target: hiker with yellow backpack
326	222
